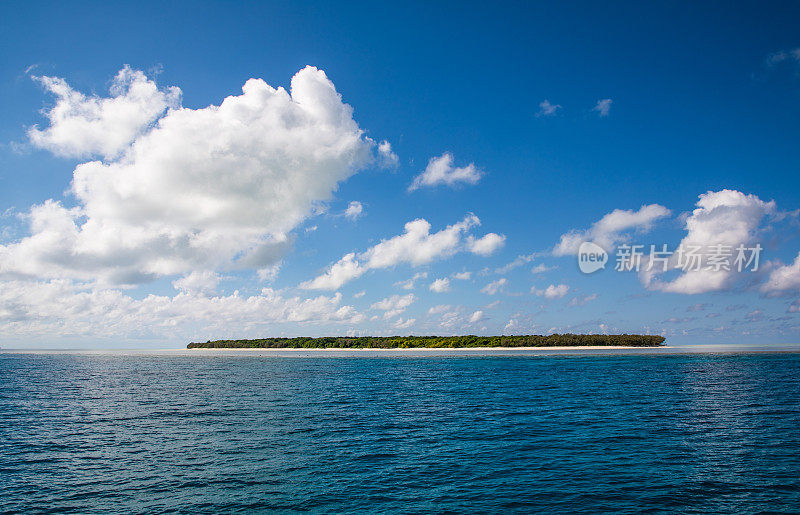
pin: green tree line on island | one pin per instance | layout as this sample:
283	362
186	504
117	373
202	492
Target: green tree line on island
407	342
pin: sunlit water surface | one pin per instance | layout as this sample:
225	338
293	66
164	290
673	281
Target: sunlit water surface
228	431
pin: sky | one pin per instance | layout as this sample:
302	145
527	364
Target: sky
176	172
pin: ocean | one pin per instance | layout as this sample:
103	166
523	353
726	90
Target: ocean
210	432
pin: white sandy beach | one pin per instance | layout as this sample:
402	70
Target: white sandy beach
419	349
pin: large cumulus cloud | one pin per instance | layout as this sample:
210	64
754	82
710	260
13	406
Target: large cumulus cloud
726	217
178	190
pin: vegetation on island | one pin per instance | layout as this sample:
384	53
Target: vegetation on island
450	342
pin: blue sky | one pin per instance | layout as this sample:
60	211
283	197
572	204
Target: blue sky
702	99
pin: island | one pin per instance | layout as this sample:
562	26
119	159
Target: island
438	342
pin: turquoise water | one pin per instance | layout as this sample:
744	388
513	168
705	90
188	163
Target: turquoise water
194	433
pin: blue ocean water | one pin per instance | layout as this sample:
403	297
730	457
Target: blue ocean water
197	433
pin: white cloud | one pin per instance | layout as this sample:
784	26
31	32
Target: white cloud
784	56
547	109
487	245
440	285
603	107
81	125
387	158
416	246
411	283
783	278
441	170
552	292
541	268
394	305
404	324
198	189
494	287
63	308
451	319
754	316
441	308
269	273
794	307
610	230
581	300
512	327
679	320
476	317
462	276
518	262
725	217
344	270
197	282
354	210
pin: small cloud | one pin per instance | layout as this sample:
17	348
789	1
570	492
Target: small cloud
156	69
551	292
476	317
441	170
494	287
547	109
512	326
542	268
462	276
409	284
269	273
697	307
603	107
440	285
783	56
519	261
754	316
387	158
394	305
438	310
679	320
360	294
354	210
783	279
486	245
612	229
17	148
404	324
582	300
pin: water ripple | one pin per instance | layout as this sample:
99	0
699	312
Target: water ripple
98	433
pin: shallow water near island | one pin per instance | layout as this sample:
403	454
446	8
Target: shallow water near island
211	431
